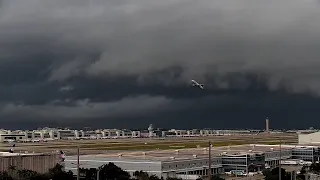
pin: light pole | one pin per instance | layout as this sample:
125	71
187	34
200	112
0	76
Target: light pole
209	170
98	171
280	160
247	168
78	164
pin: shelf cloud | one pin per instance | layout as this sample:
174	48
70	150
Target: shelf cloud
107	51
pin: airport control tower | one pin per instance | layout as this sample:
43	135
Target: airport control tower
267	125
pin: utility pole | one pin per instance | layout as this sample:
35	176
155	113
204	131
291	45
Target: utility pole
280	160
247	169
78	164
209	170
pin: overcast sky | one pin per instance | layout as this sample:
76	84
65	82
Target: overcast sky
126	64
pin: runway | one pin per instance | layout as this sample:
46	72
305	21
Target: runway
139	144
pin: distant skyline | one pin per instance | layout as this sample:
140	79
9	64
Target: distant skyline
127	64
309	129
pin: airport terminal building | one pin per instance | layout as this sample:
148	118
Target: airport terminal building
188	162
161	163
70	134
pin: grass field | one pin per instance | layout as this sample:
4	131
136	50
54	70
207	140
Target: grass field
99	146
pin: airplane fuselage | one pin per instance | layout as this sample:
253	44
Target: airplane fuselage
195	83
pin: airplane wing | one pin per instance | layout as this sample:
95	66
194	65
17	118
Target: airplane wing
194	82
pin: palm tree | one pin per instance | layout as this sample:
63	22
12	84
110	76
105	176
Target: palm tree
12	171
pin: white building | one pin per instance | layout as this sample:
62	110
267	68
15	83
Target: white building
163	163
110	133
311	138
11	136
195	162
67	134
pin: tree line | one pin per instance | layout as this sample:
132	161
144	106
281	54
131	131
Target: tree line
111	171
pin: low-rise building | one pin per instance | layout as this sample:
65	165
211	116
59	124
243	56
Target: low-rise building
7	136
161	163
67	134
38	162
176	163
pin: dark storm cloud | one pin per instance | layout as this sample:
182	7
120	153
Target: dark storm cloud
56	55
140	38
85	109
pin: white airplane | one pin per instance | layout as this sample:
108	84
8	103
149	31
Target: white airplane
195	83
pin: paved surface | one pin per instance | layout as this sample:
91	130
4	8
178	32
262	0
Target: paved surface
133	147
142	144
